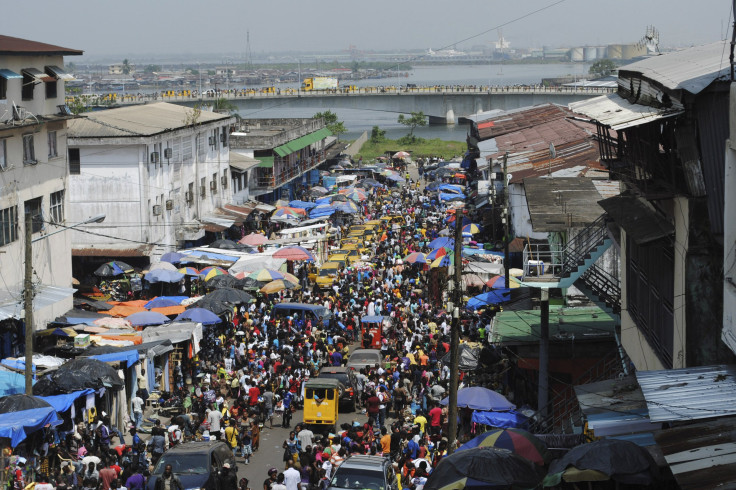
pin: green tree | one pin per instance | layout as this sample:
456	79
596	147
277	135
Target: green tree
223	105
193	71
152	68
417	119
79	104
126	66
336	127
377	135
602	68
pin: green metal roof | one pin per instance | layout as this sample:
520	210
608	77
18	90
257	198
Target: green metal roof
524	326
266	162
299	143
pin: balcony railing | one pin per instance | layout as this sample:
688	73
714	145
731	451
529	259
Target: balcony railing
275	180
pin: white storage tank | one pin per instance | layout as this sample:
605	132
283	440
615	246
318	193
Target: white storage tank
590	53
600	52
577	54
615	51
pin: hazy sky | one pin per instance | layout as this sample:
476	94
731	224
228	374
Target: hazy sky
141	28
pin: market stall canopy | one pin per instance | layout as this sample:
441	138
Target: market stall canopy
145	318
172	257
504	420
227	295
130	357
468	357
293	253
78	374
20	402
163	275
199	315
16	426
175	332
113	268
517	441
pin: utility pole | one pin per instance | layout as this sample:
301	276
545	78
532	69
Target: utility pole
455	338
506	216
28	301
543	390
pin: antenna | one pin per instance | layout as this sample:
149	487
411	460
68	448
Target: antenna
248	54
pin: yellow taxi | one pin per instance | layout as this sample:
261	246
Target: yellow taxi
327	274
349	256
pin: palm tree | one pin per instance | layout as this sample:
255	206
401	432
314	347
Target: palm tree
126	66
221	104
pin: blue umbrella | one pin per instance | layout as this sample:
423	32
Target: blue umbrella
490	298
172	257
442	241
161	302
479	398
162	275
302	204
145	318
199	315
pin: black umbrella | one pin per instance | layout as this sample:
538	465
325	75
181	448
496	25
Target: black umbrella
229	245
621	461
226	281
217	307
228	295
78	374
487	468
113	268
18	403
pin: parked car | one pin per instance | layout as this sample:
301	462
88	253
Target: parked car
348	391
197	464
361	358
360	471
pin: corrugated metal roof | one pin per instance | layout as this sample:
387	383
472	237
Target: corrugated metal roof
11	306
16	46
575	159
618	113
690	393
691	69
242	162
701	456
136	121
516	119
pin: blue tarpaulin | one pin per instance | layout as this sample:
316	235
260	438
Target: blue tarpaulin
448	196
372	319
453	188
19	364
12	383
490	298
302	204
16	426
503	420
129	356
62	403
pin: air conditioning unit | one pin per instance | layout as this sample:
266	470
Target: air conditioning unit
168	153
213	185
155	157
212	141
202	190
169	205
157	210
188	197
223	181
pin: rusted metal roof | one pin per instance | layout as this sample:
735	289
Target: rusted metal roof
701	456
689	393
17	46
239	211
137	121
556	204
618	113
691	69
517	119
574	159
111	251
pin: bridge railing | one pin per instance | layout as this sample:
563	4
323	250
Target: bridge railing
272	92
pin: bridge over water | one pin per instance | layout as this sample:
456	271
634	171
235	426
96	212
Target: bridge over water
442	104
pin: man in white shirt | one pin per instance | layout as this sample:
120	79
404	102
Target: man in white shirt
214	417
305	437
136	405
292	477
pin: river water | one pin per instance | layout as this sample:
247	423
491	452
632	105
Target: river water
357	121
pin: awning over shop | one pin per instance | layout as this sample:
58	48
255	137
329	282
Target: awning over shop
37	75
63	402
265	162
112	251
175	332
215	222
8	74
11	306
303	142
129	356
16	426
59	73
618	113
637	218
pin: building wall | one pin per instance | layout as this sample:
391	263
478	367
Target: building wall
682	240
729	239
128	184
40	105
520	217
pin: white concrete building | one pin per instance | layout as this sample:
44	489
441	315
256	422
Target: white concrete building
158	172
33	179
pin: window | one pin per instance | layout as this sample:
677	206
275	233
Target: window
225	136
34	207
3	155
216	138
29	152
57	207
74	162
29	83
3	88
8	225
51	89
53	153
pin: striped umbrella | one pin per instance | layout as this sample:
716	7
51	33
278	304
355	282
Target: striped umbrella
189	271
266	275
472	228
444	261
290	278
437	253
278	285
415	258
354	194
518	441
289	211
210	272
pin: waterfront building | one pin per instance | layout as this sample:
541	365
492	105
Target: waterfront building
158	171
33	173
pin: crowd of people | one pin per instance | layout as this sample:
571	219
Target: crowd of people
252	368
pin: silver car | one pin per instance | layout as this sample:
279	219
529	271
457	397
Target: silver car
365	472
361	358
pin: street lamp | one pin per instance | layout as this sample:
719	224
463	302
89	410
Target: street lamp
28	288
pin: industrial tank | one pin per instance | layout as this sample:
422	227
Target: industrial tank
600	52
577	54
630	51
590	53
615	51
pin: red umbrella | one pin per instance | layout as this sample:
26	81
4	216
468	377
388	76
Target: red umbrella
253	239
293	253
